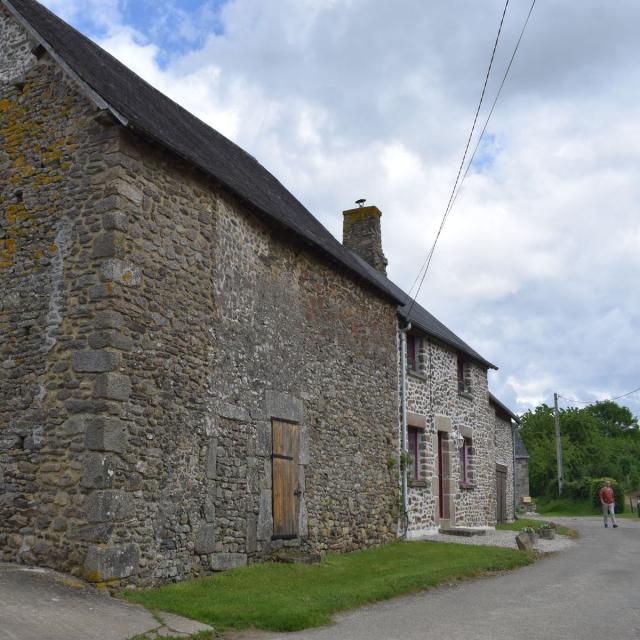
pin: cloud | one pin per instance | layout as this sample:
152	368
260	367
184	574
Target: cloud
538	263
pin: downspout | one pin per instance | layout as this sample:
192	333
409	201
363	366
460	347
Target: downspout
514	426
403	422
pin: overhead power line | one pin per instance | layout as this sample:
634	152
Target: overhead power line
473	126
458	182
624	395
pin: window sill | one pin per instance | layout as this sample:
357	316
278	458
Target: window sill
418	484
465	394
417	374
467	486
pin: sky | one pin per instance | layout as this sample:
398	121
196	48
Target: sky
538	264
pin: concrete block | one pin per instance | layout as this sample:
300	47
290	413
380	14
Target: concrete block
113	386
225	561
109	506
205	541
111	562
106	434
89	361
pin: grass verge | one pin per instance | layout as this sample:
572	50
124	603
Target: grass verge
564	507
521	523
290	597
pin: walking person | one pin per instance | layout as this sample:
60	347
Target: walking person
608	502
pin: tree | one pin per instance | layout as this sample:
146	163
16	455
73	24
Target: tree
599	440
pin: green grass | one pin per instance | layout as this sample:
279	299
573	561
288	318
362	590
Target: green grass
290	597
521	523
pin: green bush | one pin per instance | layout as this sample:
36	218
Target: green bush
598	483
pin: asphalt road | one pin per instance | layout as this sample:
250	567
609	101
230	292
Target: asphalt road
590	592
38	604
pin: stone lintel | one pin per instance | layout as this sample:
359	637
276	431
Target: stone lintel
416	420
443	423
284	406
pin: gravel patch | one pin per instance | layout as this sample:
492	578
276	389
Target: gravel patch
505	539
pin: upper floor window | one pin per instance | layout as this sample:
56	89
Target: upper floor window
464	375
413	344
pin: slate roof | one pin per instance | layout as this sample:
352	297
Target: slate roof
521	450
422	319
144	109
504	407
149	112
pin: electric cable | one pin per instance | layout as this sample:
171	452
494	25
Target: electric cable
624	395
458	184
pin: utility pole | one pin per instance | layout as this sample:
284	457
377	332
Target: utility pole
556	415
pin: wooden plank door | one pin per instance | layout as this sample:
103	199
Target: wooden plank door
285	480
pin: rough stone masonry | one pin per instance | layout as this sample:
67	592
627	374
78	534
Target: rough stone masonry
152	329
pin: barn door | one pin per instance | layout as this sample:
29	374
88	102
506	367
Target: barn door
286	492
501	494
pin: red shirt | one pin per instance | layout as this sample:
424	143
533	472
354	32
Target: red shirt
606	495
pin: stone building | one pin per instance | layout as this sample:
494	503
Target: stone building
460	444
193	372
522	474
505	434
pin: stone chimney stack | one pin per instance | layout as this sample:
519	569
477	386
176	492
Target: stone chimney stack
361	233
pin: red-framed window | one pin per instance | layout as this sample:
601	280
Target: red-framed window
413	445
464	454
412	352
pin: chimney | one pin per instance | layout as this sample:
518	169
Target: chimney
361	233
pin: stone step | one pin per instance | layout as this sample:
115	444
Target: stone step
463	531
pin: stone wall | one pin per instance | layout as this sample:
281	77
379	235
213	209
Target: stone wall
231	324
522	481
54	169
155	326
504	456
433	393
